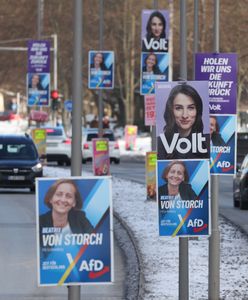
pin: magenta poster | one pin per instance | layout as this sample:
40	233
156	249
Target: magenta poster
220	69
155	30
101	162
182	120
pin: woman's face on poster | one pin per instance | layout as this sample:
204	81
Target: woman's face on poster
151	61
184	110
212	125
63	199
98	59
156	27
176	174
35	80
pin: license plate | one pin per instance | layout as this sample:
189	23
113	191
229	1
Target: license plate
16	177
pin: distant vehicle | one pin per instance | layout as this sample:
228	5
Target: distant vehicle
58	146
19	161
242	146
92	133
240	186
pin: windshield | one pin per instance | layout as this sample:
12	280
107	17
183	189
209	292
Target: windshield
17	151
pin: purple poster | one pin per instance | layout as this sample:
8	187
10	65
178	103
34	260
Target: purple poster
38	57
182	120
155	30
220	69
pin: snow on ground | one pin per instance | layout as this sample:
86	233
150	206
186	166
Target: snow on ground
160	262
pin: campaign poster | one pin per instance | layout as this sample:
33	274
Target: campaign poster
130	137
101	70
155	30
38	89
154	67
151	163
223	144
183	198
150	110
38	56
39	138
101	161
74	231
220	69
182	120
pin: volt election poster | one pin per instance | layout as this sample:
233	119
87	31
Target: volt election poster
73	255
182	215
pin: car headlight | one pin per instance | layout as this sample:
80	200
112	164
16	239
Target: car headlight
37	168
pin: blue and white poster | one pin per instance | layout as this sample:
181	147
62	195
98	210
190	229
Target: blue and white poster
154	67
183	198
74	231
223	144
101	70
38	89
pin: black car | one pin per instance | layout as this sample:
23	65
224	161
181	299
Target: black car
240	186
19	161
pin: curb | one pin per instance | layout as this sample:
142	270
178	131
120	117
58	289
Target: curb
134	277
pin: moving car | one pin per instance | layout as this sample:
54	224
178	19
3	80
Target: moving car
92	133
58	145
19	161
240	186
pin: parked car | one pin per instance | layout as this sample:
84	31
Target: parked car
92	133
242	146
58	145
240	186
19	161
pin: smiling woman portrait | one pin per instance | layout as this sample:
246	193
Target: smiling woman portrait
65	203
155	32
183	118
177	185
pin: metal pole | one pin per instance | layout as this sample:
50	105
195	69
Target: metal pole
183	242
55	72
153	128
40	18
55	61
100	98
214	240
196	33
76	163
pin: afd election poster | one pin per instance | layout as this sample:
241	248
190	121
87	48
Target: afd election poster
182	120
38	56
74	231
101	70
223	144
220	69
154	67
155	30
183	198
38	89
101	161
151	164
